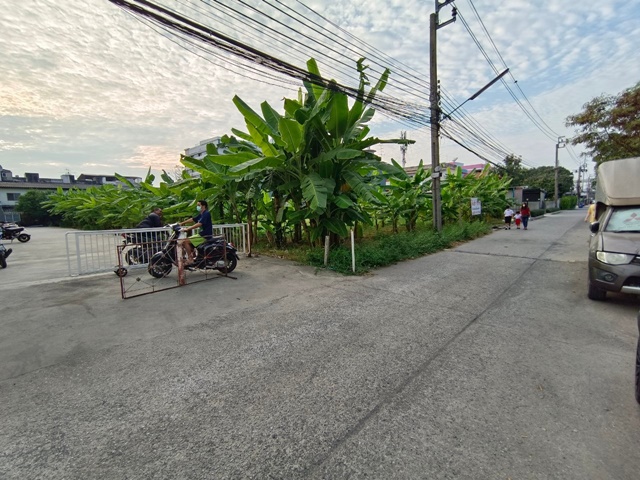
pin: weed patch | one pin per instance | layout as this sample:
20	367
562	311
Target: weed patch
386	249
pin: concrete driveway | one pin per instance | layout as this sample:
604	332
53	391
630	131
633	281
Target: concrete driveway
484	361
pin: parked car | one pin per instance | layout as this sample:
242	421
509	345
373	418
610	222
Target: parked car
638	364
614	247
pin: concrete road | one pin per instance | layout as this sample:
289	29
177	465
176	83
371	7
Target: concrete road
484	361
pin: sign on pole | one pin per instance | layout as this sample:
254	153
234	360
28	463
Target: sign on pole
476	206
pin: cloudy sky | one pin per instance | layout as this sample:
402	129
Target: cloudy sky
87	87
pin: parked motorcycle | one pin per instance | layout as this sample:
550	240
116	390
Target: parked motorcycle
4	253
11	231
143	246
213	254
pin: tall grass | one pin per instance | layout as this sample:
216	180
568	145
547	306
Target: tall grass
387	249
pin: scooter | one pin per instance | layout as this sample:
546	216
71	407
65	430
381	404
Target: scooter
11	231
213	254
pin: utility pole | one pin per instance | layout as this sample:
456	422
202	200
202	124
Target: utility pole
403	147
559	144
434	100
581	169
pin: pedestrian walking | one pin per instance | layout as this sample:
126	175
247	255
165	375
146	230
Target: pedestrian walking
525	213
508	215
518	219
591	213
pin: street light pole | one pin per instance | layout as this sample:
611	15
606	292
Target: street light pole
559	144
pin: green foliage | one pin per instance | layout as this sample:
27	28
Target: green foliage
544	178
458	190
110	206
609	126
513	169
387	249
568	202
552	209
539	212
313	160
31	206
406	197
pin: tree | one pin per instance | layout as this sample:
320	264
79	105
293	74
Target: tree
314	160
609	126
513	169
544	178
32	209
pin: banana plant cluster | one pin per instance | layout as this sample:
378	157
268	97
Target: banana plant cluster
406	197
125	205
306	170
458	190
311	165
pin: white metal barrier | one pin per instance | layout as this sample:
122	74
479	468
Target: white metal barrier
96	251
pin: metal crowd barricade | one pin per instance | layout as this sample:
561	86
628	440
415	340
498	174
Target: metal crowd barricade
100	251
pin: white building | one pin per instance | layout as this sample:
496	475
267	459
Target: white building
12	186
200	151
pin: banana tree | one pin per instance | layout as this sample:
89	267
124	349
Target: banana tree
313	159
407	196
458	189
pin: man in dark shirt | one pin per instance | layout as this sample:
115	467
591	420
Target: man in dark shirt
153	220
202	220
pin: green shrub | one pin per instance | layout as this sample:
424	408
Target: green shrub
553	209
538	212
386	249
568	202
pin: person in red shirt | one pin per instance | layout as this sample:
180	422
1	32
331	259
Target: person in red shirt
525	213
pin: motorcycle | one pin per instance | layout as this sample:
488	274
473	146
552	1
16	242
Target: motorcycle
4	253
143	246
11	231
210	255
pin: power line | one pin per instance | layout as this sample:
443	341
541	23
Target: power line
494	68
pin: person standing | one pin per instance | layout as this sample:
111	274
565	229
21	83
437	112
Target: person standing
202	220
525	213
591	213
518	219
508	215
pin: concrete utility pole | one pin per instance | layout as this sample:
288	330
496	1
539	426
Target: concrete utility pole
581	168
559	145
434	100
403	147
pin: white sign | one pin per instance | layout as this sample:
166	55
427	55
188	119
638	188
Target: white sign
476	206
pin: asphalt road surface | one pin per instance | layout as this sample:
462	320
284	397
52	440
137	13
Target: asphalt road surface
486	361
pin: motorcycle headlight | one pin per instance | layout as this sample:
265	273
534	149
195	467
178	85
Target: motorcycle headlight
611	258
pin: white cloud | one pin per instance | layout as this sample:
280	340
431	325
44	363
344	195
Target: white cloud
87	86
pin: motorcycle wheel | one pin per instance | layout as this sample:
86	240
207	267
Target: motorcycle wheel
232	263
133	256
24	237
121	272
160	267
3	262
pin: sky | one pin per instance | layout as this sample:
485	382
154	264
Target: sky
86	87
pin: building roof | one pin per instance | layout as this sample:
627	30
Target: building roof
44	185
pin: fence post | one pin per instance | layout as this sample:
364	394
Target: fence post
326	250
353	253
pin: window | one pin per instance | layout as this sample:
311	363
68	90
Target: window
624	219
13	197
